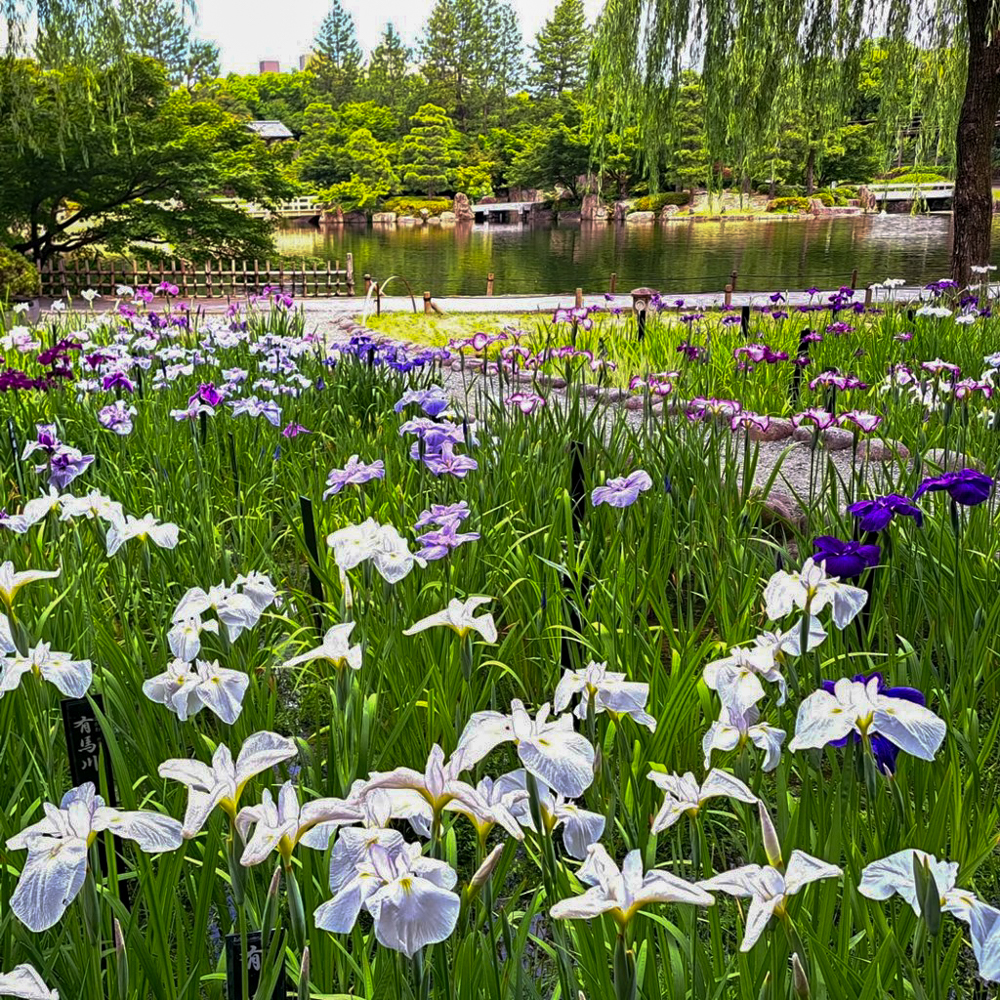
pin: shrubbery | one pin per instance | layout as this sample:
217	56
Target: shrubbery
414	206
788	206
18	277
656	202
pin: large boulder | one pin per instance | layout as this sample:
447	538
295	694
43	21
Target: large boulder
588	210
332	216
640	218
447	217
621	210
462	208
383	218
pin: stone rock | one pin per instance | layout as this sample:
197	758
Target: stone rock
462	208
611	395
635	402
569	217
356	218
950	461
588	210
779	429
601	213
446	217
640	218
553	381
591	390
332	216
782	508
833	438
877	450
383	218
409	220
433	220
621	210
668	211
425	214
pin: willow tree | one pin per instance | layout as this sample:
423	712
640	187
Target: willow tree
754	54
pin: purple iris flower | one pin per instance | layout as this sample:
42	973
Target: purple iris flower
65	465
437	544
884	751
207	393
117	380
622	492
443	514
294	430
875	515
432	401
353	474
967	487
846	560
445	462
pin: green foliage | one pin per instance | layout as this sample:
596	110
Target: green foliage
427	154
323	156
152	184
561	51
689	159
788	206
657	202
475	179
337	55
471	59
161	31
372	177
388	81
915	177
556	152
18	277
408	205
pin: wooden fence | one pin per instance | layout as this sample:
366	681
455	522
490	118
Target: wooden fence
209	280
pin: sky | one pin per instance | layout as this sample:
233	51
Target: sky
247	31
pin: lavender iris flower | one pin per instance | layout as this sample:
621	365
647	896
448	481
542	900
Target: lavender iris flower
967	487
432	401
443	514
884	751
355	473
437	544
444	461
875	515
65	465
207	393
846	560
117	417
294	430
622	492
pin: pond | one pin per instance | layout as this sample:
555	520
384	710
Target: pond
675	257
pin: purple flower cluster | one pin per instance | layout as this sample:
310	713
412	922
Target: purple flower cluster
846	560
622	492
435	447
446	520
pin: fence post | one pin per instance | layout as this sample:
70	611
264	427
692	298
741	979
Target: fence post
728	300
732	279
614	282
489	283
350	274
868	297
854	278
427	302
368	283
579	298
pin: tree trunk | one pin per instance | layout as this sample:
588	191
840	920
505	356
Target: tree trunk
810	170
973	202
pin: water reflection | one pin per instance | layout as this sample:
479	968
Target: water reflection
677	257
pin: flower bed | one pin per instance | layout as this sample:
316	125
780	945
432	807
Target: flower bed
450	688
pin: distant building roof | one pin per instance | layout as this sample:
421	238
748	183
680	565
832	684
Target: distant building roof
271	130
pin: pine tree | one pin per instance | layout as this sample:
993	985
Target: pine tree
689	162
387	80
338	56
502	63
561	51
202	63
160	31
428	151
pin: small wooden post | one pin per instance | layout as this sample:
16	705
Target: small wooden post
350	274
368	282
868	297
209	292
489	283
613	284
579	298
732	279
728	300
256	276
427	302
328	275
854	278
378	300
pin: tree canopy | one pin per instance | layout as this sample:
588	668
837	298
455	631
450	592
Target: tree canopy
157	189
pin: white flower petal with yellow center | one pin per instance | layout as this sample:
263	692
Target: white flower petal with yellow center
458	616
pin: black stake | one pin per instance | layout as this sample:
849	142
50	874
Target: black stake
15	452
745	321
309	534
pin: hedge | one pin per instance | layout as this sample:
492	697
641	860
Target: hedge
787	206
656	202
414	206
18	276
